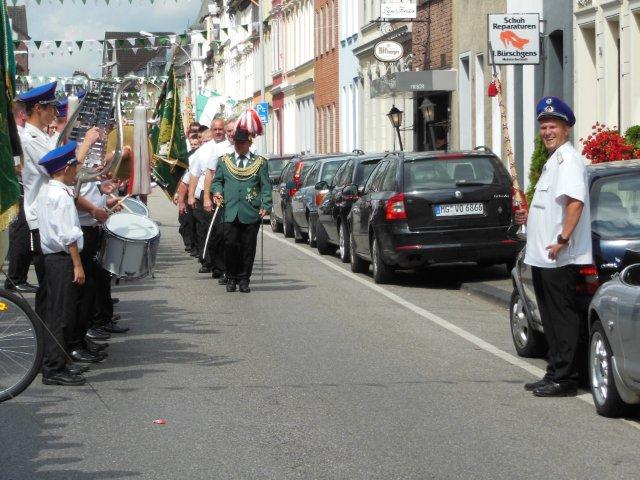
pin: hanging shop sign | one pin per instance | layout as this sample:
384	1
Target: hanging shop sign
388	51
398	10
514	38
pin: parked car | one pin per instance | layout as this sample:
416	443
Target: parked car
614	193
614	345
276	165
304	204
340	195
417	209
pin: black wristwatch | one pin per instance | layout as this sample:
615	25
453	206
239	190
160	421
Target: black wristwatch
561	240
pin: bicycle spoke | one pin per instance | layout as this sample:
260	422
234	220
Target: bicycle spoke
2	337
14	360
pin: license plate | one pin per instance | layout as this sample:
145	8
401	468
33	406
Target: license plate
456	209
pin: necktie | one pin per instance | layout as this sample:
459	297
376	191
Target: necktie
241	161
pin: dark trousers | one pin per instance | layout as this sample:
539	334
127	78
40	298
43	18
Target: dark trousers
555	290
203	219
19	250
188	228
38	264
62	307
103	308
240	241
88	291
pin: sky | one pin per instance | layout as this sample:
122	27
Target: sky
74	21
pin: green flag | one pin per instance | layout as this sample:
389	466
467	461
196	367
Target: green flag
170	158
9	143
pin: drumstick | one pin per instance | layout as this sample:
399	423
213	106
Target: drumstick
120	202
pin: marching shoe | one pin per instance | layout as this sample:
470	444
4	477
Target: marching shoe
553	389
84	356
222	280
187	249
204	269
116	317
216	273
24	288
114	301
77	369
95	350
231	286
530	387
111	327
244	287
194	253
96	333
63	378
91	345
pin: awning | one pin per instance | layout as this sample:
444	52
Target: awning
421	81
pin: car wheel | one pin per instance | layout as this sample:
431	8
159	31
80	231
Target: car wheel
382	273
322	242
312	233
527	341
343	248
287	225
298	235
358	265
601	379
275	226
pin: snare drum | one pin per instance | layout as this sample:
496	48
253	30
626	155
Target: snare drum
136	206
129	245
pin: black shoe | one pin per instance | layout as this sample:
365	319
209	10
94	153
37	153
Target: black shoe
91	345
553	389
26	287
115	318
111	327
85	356
217	273
63	378
194	253
530	387
187	249
97	333
244	288
204	269
114	301
223	280
231	286
77	369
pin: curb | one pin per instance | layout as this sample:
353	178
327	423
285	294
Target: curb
497	296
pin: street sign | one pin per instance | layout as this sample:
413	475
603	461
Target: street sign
398	10
263	112
515	38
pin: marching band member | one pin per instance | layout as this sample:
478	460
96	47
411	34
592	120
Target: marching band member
241	182
61	243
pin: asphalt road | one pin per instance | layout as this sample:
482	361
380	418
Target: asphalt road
317	374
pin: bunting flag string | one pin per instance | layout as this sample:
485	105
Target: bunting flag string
84	2
36	80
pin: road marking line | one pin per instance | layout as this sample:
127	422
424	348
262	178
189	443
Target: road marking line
432	317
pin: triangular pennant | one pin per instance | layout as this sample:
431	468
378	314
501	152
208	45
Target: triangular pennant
152	40
112	43
134	50
172	39
14	2
205	34
16	44
106	1
101	42
140	42
37	43
184	39
225	30
132	41
245	26
38	1
58	43
120	42
79	43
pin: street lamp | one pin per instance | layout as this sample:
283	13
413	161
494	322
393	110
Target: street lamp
395	117
428	109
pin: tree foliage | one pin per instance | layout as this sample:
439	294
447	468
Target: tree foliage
538	159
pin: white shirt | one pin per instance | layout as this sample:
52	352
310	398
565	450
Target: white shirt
91	191
35	145
202	159
59	225
227	147
563	176
16	159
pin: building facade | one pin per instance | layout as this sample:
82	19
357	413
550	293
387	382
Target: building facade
607	63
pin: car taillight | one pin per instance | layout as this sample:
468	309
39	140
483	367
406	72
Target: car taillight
589	281
395	208
514	202
320	197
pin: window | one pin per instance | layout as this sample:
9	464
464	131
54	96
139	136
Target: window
364	171
375	180
329	170
312	176
341	175
615	209
450	173
389	183
464	93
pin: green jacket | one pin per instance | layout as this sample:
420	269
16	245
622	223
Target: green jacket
243	198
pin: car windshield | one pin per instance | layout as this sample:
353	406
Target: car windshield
434	173
276	165
615	207
306	166
364	170
329	170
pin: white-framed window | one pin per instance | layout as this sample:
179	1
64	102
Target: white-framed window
464	100
479	100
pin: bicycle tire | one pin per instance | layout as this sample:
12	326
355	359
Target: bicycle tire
11	304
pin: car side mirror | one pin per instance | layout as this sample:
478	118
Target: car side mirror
631	275
322	185
350	190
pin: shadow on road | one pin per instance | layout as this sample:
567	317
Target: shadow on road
27	443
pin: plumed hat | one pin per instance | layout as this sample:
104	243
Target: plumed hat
248	125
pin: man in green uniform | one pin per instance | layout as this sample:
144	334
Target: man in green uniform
242	182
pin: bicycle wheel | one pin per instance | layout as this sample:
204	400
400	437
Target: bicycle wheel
21	345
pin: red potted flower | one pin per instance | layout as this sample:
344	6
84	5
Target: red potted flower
606	145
